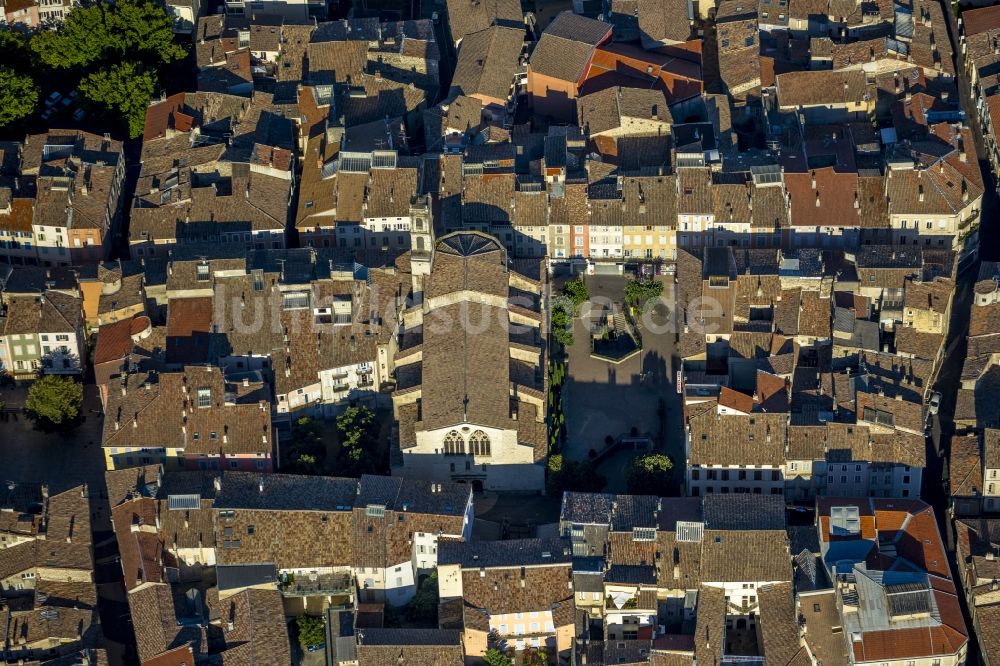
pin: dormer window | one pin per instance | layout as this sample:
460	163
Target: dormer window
643	534
203	273
204	397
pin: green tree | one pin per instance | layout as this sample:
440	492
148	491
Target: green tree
566	475
424	606
129	30
358	439
649	474
534	657
640	292
577	291
143	30
14	51
311	630
18	96
54	400
81	40
305	446
562	324
125	89
495	657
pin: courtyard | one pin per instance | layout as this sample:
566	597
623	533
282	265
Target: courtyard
604	399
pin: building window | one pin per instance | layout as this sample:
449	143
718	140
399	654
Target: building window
454	445
204	397
479	443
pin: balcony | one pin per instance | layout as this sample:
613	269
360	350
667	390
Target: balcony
301	585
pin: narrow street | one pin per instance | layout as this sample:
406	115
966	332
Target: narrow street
936	484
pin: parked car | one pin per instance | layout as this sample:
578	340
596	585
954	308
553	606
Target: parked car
79	115
53	99
46	114
67	101
934	404
316	648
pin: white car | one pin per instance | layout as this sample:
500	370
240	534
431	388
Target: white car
53	99
934	404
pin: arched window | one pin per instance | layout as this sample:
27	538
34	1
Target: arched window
454	445
479	443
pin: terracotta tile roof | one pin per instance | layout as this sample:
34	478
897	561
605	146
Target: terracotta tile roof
806	442
965	466
410	506
487	62
694	192
54	312
910	341
259	634
468	16
420	647
499	591
824	197
732	202
757	439
567	46
150	407
873	207
980	19
985	319
22	212
819	87
779	625
745	555
154	617
814	315
336	61
739	57
140	546
18	558
663	22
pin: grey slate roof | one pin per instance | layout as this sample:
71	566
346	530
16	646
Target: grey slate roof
285	492
395	636
402	494
631	573
744	512
239	576
513	553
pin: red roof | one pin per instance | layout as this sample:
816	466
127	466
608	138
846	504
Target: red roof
182	656
114	341
975	21
740	402
158	117
674	70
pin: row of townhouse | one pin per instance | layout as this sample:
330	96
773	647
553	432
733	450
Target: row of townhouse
979	29
60	196
574	213
42	323
628	579
974	409
279	334
35	14
48	592
47	314
973	452
807	373
195	544
714	578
